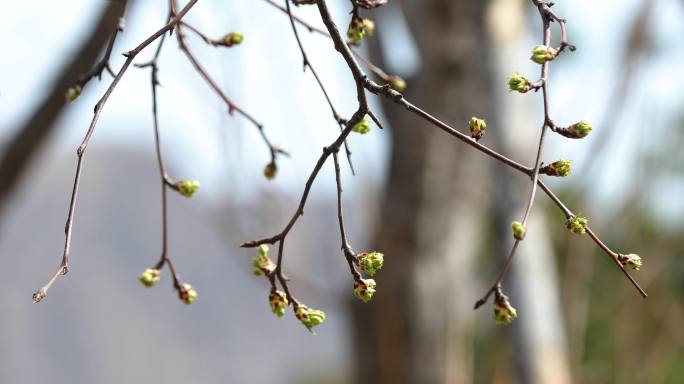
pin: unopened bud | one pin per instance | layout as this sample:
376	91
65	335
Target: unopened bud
309	317
362	127
542	53
560	168
233	38
370	262
577	224
504	313
519	83
38	296
364	289
577	130
356	31
631	260
261	263
150	277
397	83
518	230
187	188
270	170
278	301
73	93
477	128
187	293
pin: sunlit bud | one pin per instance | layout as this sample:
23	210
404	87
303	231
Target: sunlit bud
560	168
578	130
187	188
73	93
233	38
477	128
364	289
187	293
356	31
368	27
278	301
504	313
261	263
577	224
270	170
370	262
397	83
309	317
150	277
519	83
542	53
631	260
362	127
518	230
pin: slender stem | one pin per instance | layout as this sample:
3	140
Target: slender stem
346	248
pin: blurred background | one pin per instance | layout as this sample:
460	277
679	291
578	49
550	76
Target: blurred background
440	211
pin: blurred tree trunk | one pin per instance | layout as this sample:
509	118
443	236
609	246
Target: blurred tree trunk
419	328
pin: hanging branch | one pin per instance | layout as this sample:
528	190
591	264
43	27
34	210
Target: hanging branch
80	152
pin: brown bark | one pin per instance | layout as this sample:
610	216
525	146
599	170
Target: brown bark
419	328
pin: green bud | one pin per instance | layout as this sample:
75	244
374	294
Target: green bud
370	262
233	38
518	230
519	83
278	301
577	224
187	188
73	93
364	289
187	293
560	168
631	260
504	313
542	53
362	127
477	128
580	130
262	250
270	170
150	277
262	264
309	317
397	83
356	31
368	27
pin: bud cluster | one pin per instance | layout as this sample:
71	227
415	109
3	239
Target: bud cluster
187	188
309	317
504	313
364	289
360	28
362	127
631	260
150	277
278	301
543	53
577	224
187	293
261	263
370	262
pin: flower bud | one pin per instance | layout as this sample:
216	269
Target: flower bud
261	263
477	128
150	277
578	130
368	27
278	301
187	293
504	313
397	83
270	170
233	38
518	230
560	168
631	260
187	188
542	53
519	83
577	224
364	289
73	93
309	317
370	262
362	127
